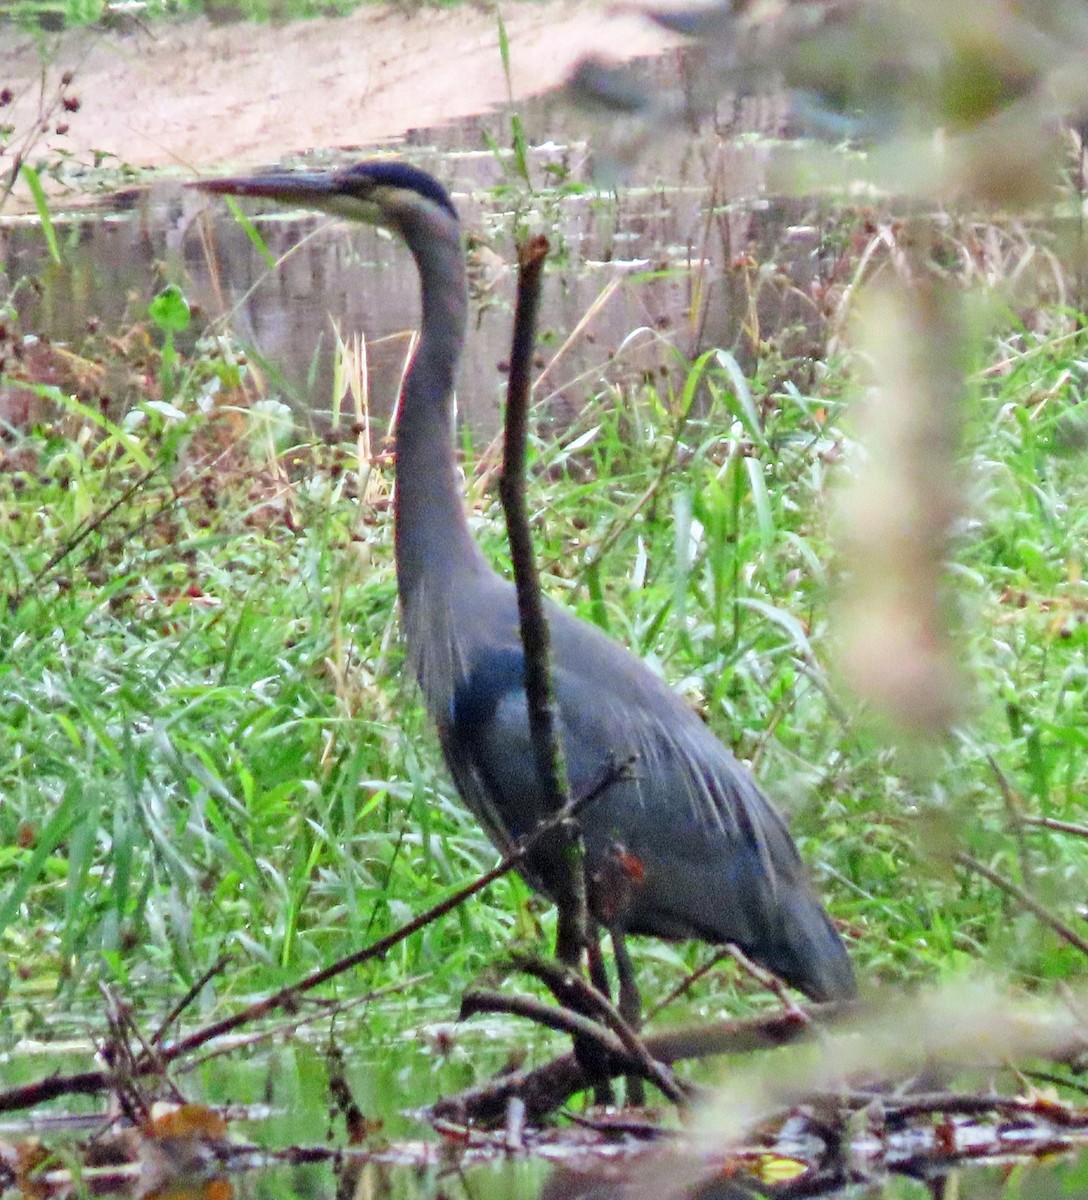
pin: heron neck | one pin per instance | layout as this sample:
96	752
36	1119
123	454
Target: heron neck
432	536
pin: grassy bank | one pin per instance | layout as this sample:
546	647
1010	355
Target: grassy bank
210	746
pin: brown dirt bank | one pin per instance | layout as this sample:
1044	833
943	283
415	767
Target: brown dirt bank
194	95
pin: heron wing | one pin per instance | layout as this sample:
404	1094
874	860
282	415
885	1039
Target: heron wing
682	845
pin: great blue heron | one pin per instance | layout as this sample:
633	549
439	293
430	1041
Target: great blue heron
686	846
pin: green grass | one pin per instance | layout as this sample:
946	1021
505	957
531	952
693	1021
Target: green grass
54	15
210	746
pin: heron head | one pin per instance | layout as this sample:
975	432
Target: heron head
376	192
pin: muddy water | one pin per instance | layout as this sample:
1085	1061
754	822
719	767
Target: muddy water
645	278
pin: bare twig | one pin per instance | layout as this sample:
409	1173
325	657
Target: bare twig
22	144
188	998
1061	1080
563	1020
1064	931
116	1052
88	526
327	1009
535	639
688	982
1058	826
766	979
572	991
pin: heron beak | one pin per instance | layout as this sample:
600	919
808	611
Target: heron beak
288	187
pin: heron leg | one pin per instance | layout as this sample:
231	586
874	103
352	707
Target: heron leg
588	1057
598	976
630	1006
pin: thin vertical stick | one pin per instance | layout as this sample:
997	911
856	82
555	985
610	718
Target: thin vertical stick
543	723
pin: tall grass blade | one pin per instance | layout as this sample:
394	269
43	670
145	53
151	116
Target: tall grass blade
60	825
251	231
41	202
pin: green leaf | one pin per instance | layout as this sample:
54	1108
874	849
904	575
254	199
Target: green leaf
251	231
504	53
41	202
757	485
521	148
745	409
170	310
787	622
70	404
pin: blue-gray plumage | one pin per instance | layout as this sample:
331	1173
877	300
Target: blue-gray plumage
687	846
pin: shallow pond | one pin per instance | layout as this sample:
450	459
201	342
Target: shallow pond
638	282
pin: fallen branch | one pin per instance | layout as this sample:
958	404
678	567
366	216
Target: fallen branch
546	1088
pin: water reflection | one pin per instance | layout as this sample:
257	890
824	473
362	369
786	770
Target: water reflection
515	1179
637	283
